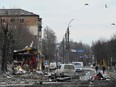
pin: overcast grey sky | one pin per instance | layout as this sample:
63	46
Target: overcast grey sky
91	22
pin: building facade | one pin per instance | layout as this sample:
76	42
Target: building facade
17	17
20	17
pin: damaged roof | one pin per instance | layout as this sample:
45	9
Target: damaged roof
16	12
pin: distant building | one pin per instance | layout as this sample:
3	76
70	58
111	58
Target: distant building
22	17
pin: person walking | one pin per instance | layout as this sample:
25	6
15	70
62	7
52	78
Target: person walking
96	69
103	69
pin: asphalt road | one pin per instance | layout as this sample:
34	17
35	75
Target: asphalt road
100	83
85	82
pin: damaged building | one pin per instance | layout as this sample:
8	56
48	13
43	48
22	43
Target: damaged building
20	17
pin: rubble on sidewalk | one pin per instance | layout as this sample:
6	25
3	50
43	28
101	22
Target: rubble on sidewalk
25	78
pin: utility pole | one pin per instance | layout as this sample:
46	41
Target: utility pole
67	39
68	45
63	50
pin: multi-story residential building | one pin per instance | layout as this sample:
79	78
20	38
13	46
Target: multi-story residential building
17	17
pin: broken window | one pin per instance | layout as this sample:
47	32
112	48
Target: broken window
12	20
21	20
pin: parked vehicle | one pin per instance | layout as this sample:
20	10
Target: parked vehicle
78	66
65	70
52	66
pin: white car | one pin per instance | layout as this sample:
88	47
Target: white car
65	70
52	66
78	66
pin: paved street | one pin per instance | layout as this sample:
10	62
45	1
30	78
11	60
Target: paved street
83	81
101	83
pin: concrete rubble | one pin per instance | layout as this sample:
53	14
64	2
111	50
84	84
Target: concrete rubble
28	78
36	78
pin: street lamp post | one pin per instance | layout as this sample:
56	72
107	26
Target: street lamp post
57	52
63	51
68	44
4	26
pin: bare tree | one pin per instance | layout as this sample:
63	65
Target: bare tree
101	51
20	38
74	54
49	44
16	38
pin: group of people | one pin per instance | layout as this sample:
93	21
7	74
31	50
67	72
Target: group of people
103	69
99	74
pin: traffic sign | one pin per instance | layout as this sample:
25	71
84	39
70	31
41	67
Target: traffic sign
46	62
80	50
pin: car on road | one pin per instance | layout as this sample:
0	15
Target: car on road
78	66
65	70
52	66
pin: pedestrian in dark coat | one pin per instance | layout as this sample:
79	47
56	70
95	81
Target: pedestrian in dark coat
96	69
103	69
